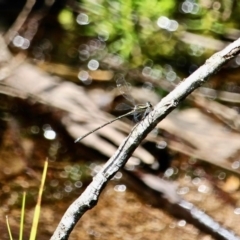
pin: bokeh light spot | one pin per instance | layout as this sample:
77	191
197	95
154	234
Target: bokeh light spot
93	64
82	19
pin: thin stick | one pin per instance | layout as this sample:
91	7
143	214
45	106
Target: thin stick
11	33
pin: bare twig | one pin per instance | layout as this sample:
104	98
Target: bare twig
90	196
11	33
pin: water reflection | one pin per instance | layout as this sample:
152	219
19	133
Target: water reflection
182	223
190	6
103	35
171	76
82	19
235	165
50	134
21	42
120	188
196	181
203	189
168	24
156	73
169	172
146	71
63	174
117	176
183	190
68	189
221	175
58	195
93	65
237	211
78	184
34	129
84	77
54	183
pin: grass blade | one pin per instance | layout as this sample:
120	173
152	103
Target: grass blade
38	205
22	216
9	230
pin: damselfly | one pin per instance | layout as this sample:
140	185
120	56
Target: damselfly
123	87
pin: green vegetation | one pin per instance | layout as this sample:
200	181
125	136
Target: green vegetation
137	31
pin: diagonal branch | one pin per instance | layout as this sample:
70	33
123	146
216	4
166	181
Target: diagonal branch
90	196
22	17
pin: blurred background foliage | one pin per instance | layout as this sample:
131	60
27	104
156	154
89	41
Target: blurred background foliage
163	39
153	35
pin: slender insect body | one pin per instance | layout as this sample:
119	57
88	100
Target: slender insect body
122	84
